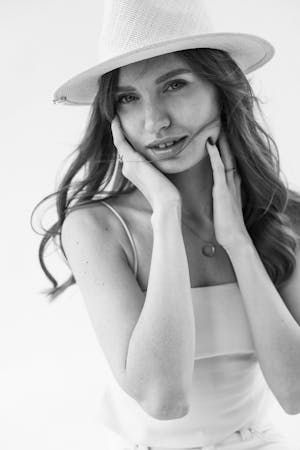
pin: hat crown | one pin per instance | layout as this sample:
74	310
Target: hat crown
130	25
135	30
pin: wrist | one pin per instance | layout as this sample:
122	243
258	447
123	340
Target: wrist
241	249
163	213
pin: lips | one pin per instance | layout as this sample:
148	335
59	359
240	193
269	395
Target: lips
165	141
182	143
171	151
176	141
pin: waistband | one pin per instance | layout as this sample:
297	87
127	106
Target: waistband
243	434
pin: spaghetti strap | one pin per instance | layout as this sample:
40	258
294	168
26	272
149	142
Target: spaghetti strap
128	234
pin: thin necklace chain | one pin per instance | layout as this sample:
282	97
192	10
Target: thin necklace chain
209	248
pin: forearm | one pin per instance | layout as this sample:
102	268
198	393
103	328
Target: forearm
161	350
275	332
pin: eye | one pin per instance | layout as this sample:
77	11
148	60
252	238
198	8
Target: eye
121	97
125	97
177	82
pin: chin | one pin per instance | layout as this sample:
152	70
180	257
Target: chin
177	165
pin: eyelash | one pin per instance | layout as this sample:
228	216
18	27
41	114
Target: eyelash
181	82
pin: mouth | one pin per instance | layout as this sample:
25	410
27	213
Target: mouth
182	143
171	150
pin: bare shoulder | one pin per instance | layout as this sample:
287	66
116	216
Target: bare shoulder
86	215
83	226
97	220
95	214
90	237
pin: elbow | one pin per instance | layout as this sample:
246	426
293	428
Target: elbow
168	404
292	408
291	405
167	411
174	408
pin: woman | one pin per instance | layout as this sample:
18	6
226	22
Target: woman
190	267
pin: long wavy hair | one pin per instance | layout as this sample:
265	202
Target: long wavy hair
271	210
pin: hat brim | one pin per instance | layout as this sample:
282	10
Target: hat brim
249	51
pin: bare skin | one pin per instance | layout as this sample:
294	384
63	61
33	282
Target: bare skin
150	112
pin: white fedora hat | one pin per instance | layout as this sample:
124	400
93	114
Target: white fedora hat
134	30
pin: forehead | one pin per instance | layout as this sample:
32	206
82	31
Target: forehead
152	67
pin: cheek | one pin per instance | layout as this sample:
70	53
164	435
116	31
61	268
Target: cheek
197	111
132	130
133	140
128	127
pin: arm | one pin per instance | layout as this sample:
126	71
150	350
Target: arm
160	357
147	339
275	332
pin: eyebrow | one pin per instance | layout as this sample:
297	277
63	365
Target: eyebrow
159	80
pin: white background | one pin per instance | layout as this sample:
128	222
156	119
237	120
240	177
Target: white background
51	365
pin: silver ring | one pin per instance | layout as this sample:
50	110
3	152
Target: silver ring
120	158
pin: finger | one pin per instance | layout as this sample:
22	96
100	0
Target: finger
216	163
117	132
226	153
229	163
239	191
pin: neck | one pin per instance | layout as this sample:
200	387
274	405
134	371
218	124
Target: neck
195	187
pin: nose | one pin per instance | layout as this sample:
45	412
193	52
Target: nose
156	118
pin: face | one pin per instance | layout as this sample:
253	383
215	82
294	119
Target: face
152	106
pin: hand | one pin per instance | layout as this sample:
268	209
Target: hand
157	189
229	225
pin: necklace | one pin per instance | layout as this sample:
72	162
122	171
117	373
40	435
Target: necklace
209	249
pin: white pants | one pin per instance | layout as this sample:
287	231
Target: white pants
244	439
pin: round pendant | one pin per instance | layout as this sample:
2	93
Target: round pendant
208	250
